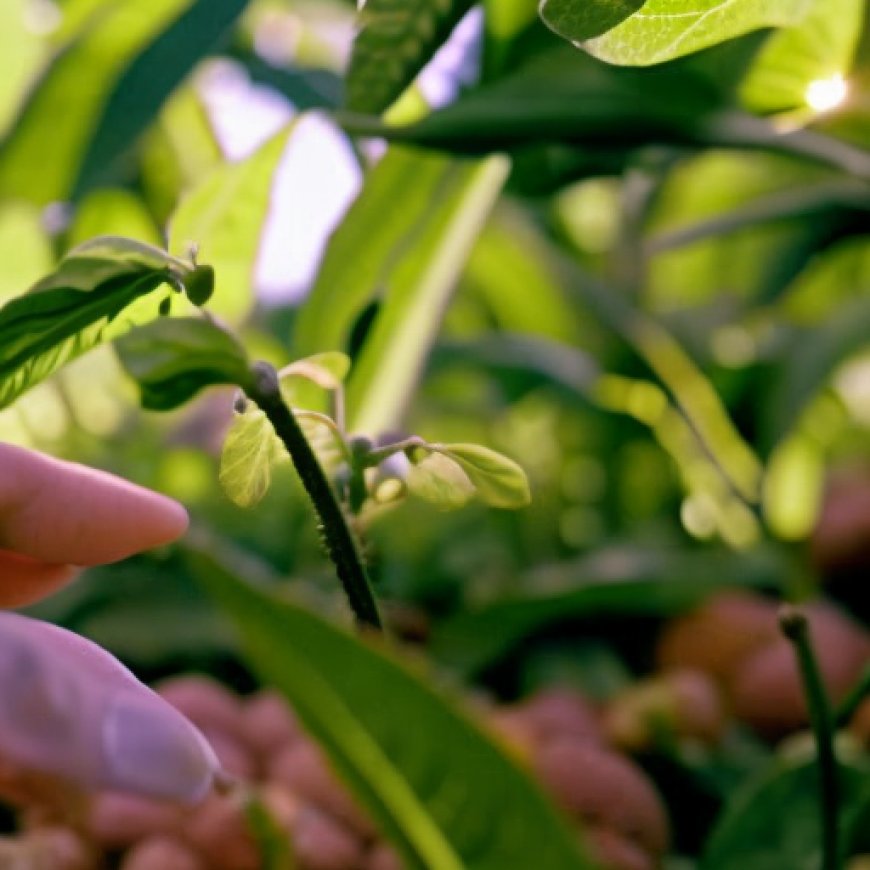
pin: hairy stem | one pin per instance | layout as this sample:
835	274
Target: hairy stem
794	626
265	392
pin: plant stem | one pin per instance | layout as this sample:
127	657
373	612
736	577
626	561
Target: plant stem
264	390
795	627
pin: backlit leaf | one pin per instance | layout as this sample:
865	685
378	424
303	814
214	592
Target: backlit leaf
499	481
250	449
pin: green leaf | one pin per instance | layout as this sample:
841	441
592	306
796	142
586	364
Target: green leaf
822	45
579	21
666	29
172	359
75	308
328	369
773	823
499	481
396	39
224	215
436	478
102	89
433	783
403	261
112	211
250	450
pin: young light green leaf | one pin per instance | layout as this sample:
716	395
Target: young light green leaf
662	30
385	731
396	40
499	481
328	370
579	21
75	308
172	359
250	450
438	479
224	215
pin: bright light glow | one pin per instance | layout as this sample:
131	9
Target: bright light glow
822	95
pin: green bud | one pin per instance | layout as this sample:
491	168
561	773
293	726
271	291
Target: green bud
199	285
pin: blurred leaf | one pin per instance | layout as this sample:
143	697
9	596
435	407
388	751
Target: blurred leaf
579	21
327	369
112	211
820	46
407	259
396	40
666	29
20	54
75	308
617	581
436	478
172	359
807	366
224	214
498	481
773	822
437	788
249	451
25	250
101	91
273	845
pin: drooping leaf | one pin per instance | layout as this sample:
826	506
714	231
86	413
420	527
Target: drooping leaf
172	359
498	481
822	45
396	39
224	215
436	787
660	30
579	21
406	261
773	823
327	369
102	89
440	480
250	450
75	308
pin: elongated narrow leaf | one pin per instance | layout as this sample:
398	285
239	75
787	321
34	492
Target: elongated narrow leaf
172	359
660	30
75	308
395	41
250	450
773	823
437	788
403	261
224	216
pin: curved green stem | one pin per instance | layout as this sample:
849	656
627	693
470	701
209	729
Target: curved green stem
794	626
264	390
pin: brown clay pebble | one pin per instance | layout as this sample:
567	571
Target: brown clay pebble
557	712
162	852
268	723
218	830
62	849
234	755
322	842
115	820
281	803
719	635
611	851
383	857
767	692
512	731
600	787
860	724
204	701
303	769
841	539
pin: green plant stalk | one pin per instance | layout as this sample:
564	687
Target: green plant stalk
264	390
795	627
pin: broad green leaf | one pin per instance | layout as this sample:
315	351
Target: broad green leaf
438	479
224	215
665	29
172	359
405	262
395	41
579	21
433	783
498	481
620	581
773	823
75	308
808	365
820	47
250	450
112	211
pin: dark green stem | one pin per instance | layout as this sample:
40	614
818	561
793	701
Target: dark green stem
795	627
264	390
